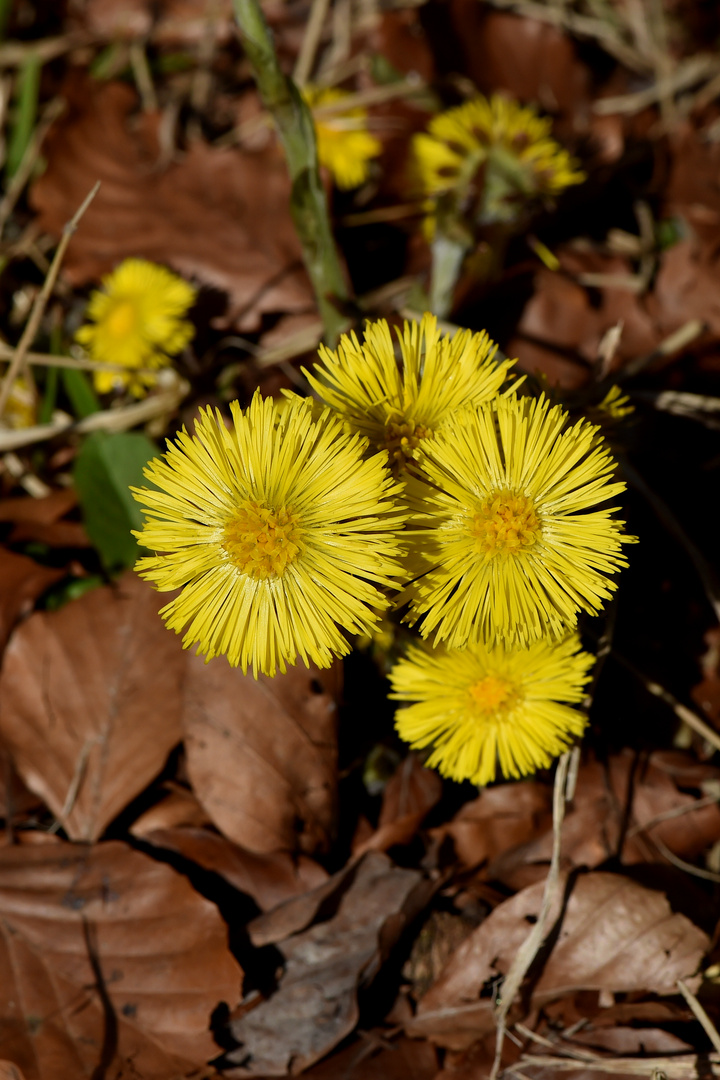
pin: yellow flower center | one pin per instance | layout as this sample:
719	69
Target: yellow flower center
402	438
263	542
121	321
505	524
493	695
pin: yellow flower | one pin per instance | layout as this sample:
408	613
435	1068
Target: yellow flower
398	405
20	407
512	547
278	531
345	146
615	404
496	147
136	322
478	707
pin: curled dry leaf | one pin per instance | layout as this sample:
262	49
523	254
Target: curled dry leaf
614	935
562	318
40	520
220	216
268	879
22	581
261	753
90	703
409	796
316	1003
107	959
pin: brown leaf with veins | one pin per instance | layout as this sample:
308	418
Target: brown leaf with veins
614	935
316	1005
107	957
220	216
261	754
22	581
90	701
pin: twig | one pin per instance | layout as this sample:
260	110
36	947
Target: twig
704	570
76	363
680	1067
681	711
142	76
700	1015
310	41
529	948
54	109
686	867
33	323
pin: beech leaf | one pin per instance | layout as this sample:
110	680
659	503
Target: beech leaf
90	703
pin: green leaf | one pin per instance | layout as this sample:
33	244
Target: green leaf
108	463
26	100
79	389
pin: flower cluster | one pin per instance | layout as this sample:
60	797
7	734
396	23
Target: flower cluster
494	156
425	474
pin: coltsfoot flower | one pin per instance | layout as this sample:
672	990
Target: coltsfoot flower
493	149
345	146
512	546
136	321
280	533
398	405
479	708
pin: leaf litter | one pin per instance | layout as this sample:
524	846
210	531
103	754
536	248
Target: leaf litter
204	875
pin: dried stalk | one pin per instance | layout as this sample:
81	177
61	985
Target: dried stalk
308	204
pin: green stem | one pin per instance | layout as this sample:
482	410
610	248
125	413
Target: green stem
308	204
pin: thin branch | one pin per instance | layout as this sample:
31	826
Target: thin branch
530	946
33	323
701	1016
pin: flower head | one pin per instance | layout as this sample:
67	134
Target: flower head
345	146
399	405
20	410
278	532
505	146
512	547
478	707
136	321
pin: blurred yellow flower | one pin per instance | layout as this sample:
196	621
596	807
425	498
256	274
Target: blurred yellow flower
20	406
479	708
493	151
398	404
508	544
278	531
345	146
615	404
136	321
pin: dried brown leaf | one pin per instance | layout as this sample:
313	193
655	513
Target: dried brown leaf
268	879
409	796
174	23
599	816
218	215
90	701
615	935
261	754
107	957
22	581
376	1058
316	1003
